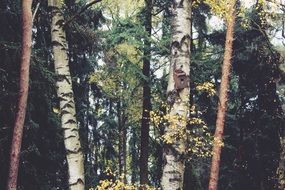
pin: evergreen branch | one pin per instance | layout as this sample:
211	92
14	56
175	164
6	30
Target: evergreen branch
263	33
80	12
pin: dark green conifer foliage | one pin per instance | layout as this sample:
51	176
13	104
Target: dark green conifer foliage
251	153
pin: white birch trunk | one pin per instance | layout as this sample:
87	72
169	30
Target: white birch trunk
74	155
178	99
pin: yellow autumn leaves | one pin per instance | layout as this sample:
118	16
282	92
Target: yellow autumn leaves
224	9
118	184
221	8
114	185
207	87
192	129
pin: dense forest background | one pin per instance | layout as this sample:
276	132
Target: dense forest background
119	54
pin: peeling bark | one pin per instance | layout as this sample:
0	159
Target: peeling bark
74	155
174	154
223	99
23	94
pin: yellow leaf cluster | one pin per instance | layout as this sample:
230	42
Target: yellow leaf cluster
221	8
200	140
218	142
108	83
55	110
198	137
110	184
129	51
207	87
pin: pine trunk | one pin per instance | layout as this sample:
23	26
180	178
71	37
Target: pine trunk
223	99
74	155
281	167
23	94
178	92
146	97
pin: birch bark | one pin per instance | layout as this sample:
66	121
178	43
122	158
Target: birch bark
178	99
74	155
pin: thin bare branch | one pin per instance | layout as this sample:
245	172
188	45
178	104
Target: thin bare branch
36	10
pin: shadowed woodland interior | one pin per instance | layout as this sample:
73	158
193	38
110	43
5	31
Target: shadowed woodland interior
142	94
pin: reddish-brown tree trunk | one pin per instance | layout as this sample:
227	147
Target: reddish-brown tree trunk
146	98
223	99
23	94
